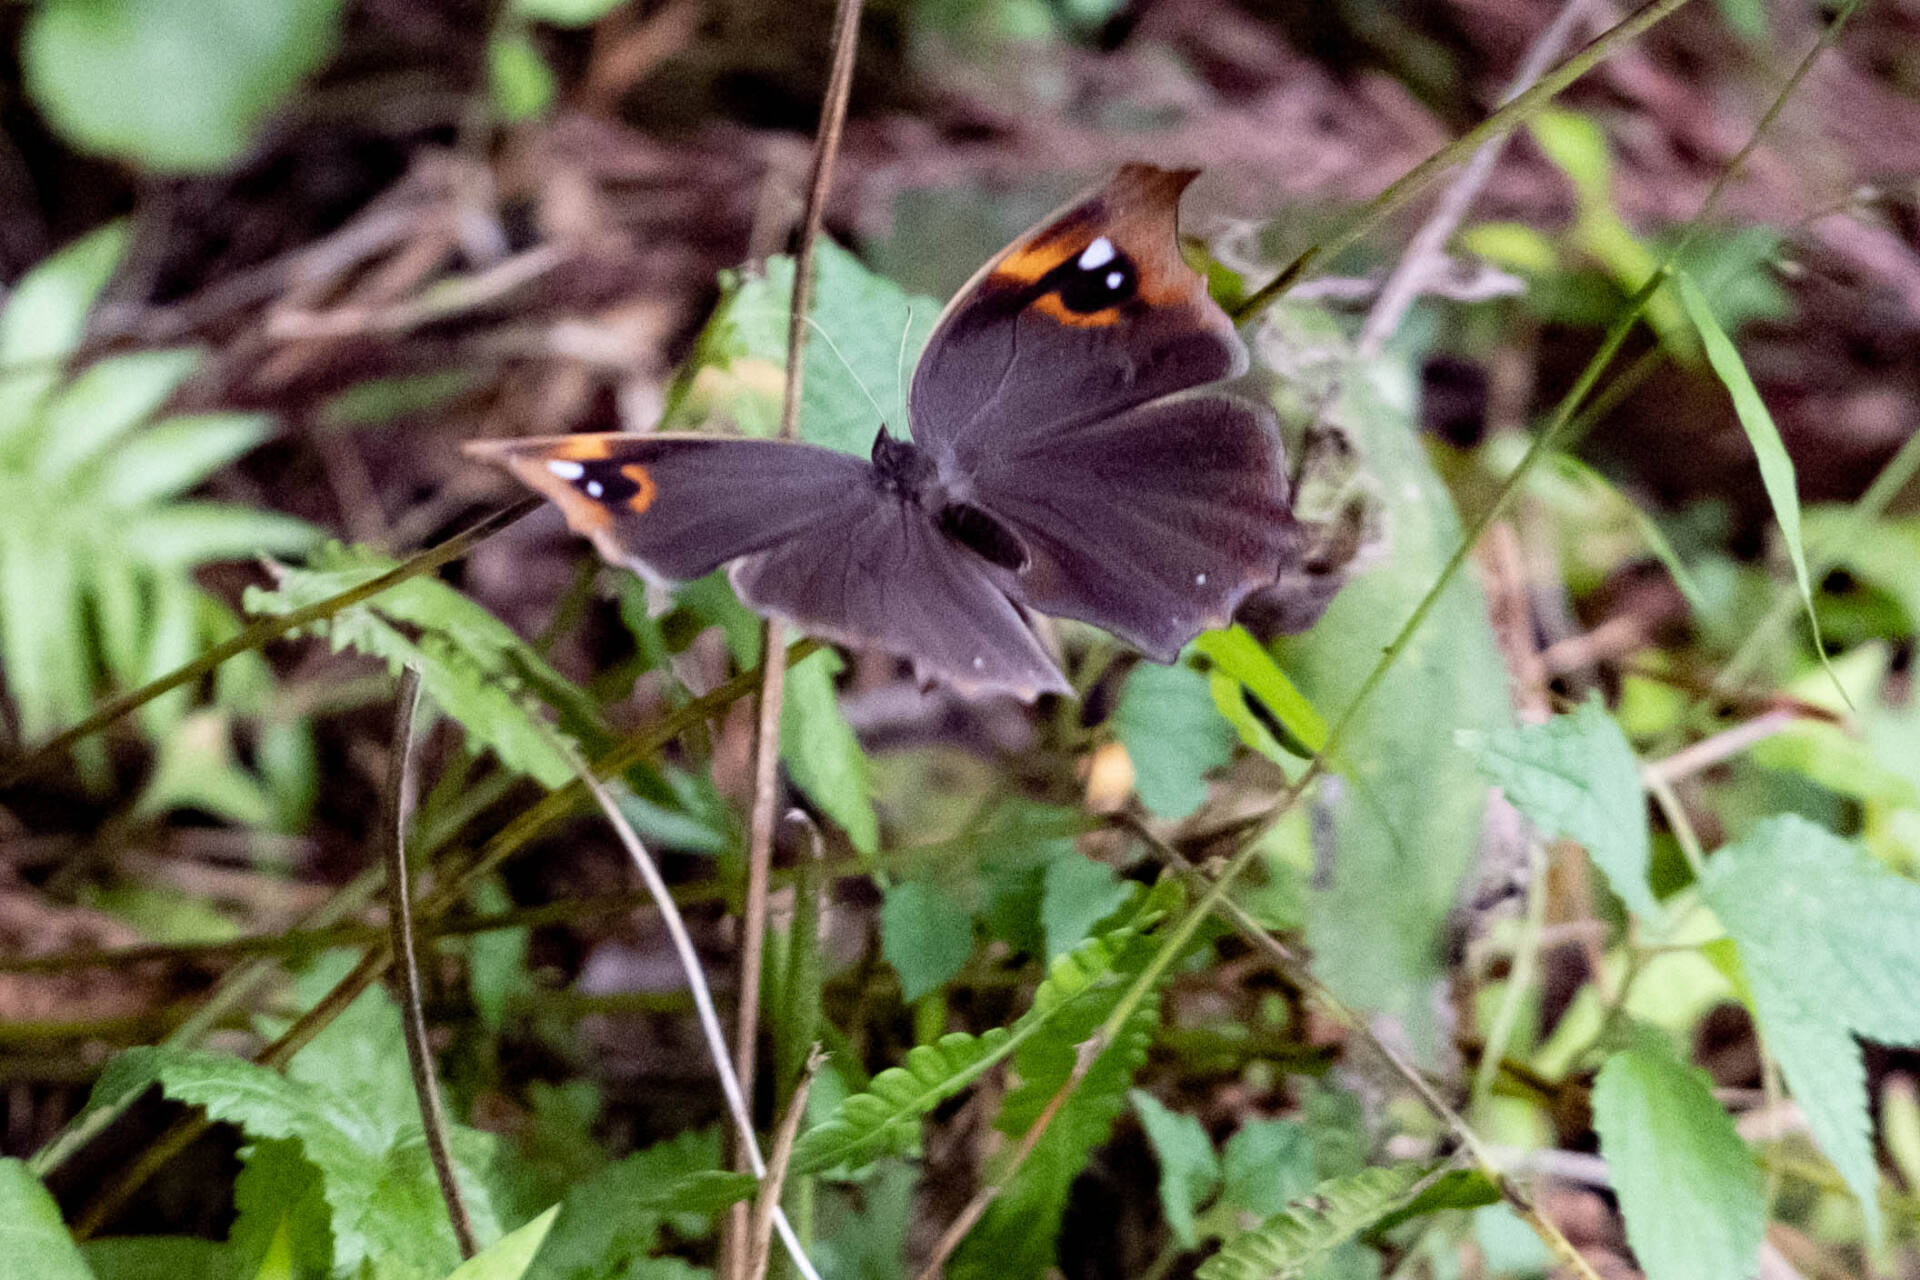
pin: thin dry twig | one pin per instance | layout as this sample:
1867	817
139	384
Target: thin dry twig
773	639
772	1187
393	838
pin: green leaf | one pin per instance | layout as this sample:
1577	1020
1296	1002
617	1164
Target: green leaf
884	1119
184	535
156	1258
1266	1164
109	399
522	82
472	666
1081	991
1173	735
867	339
1339	1209
46	313
1829	941
1575	777
508	1257
822	755
1406	807
174	455
37	1244
383	1200
925	935
1077	894
1240	656
616	1215
1189	1169
1689	1187
175	85
1776	468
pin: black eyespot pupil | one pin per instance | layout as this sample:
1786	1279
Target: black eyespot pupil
1095	283
604	482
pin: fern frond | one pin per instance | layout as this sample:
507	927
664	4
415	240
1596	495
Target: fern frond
885	1119
1313	1226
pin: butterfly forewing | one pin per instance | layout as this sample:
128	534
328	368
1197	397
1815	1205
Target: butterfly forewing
1091	313
679	506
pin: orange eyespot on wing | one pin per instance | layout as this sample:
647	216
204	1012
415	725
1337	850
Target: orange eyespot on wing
644	489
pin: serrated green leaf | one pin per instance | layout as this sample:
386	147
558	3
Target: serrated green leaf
508	1257
383	1200
821	753
867	339
36	1243
472	666
1689	1188
1173	735
1576	777
1189	1169
1338	1210
616	1215
925	935
175	85
1829	941
1080	992
885	1118
1776	467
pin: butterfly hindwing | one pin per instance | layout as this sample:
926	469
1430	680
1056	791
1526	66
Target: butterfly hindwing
1153	524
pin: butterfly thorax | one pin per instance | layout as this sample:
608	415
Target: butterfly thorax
907	472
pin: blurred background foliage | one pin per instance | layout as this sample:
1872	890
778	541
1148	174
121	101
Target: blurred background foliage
269	262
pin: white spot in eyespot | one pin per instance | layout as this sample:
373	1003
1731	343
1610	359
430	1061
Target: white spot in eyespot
979	663
566	470
1199	579
595	488
1097	254
1115	279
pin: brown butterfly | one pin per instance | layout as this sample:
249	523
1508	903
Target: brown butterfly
1061	460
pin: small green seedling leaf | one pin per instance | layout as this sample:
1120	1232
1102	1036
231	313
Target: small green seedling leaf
822	754
925	935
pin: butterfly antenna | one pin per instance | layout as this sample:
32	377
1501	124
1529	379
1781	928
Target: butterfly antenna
900	369
848	366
